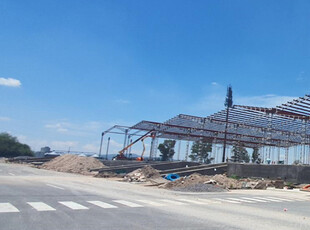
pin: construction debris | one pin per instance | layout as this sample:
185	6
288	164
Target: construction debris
142	174
200	183
73	164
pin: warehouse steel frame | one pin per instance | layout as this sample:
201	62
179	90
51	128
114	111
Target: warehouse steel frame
268	129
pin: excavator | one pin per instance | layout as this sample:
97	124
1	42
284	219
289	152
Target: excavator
121	155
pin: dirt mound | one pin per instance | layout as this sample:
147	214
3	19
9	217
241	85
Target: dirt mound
73	164
197	182
226	182
142	174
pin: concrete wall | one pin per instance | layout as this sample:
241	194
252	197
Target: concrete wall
292	173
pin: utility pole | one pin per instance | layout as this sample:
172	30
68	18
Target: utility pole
228	104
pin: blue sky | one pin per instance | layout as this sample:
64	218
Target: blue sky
83	66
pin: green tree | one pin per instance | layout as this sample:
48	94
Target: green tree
167	150
255	156
200	151
11	147
240	153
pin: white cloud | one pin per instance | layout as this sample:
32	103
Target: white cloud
264	100
215	102
5	119
214	83
63	145
90	148
122	101
75	129
10	82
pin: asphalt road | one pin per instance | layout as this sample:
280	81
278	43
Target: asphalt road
39	199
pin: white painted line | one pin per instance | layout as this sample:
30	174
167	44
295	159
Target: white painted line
278	198
102	204
241	200
40	206
192	201
268	199
153	203
128	203
253	199
207	201
7	207
12	174
299	199
73	205
229	201
54	186
173	202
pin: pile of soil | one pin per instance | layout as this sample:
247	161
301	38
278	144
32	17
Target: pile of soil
142	174
73	164
200	183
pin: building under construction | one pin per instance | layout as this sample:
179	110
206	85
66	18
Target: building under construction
281	134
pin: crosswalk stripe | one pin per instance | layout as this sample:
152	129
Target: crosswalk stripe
240	200
173	202
153	203
300	199
207	201
7	207
128	203
192	201
72	205
54	186
40	206
229	201
102	204
253	199
278	198
268	199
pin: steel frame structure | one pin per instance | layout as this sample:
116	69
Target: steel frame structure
284	126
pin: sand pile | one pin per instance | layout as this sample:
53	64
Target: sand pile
73	164
142	174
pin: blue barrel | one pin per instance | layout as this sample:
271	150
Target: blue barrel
172	177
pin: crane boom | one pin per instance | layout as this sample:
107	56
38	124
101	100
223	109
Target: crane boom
121	153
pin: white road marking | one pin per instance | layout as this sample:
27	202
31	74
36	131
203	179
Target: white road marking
153	203
128	203
40	206
207	201
229	201
173	202
299	199
7	207
278	198
72	205
241	200
102	204
253	199
54	186
268	199
192	201
12	174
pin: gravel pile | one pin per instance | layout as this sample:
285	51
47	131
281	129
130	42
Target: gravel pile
73	164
